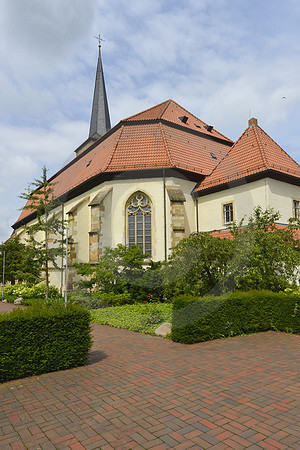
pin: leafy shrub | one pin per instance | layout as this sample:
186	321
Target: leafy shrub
43	339
201	319
123	270
14	291
114	299
43	301
99	299
85	300
292	290
152	318
142	317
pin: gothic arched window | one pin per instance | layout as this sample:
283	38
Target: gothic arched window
139	221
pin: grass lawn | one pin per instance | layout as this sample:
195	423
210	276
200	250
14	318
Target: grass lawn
142	317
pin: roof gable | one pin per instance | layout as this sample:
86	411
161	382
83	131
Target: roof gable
253	153
172	112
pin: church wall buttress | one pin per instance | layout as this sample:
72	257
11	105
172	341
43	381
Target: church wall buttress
97	211
177	213
95	241
177	222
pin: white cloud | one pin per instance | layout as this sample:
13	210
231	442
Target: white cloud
218	59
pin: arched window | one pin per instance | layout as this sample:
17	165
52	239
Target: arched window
139	221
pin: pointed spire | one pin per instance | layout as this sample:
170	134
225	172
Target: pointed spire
100	120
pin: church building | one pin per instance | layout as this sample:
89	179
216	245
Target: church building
161	174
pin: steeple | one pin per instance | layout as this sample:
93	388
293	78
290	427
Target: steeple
100	120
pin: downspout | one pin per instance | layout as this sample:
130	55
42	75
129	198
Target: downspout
165	214
197	215
62	246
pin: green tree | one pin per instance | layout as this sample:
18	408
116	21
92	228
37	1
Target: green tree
197	264
40	198
22	262
266	256
123	269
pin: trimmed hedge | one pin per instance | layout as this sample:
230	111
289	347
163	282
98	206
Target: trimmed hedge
42	339
202	319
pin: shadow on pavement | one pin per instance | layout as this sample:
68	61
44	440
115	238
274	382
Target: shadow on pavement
96	356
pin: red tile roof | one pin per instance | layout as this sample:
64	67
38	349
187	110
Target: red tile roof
227	233
254	152
145	141
172	112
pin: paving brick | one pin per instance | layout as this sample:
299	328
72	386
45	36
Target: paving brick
152	393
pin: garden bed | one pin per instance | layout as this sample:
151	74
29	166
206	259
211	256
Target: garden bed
141	317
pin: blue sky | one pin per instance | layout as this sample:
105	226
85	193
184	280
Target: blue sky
221	60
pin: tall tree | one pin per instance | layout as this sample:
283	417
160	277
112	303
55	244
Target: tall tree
266	255
124	269
22	262
197	264
40	198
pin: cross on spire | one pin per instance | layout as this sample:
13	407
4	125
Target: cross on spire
99	39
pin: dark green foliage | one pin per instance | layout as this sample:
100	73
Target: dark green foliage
99	299
197	265
43	339
124	270
154	317
202	319
22	262
40	198
265	256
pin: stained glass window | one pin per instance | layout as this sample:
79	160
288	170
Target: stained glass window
139	222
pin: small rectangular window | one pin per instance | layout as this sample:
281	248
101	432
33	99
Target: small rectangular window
296	211
228	213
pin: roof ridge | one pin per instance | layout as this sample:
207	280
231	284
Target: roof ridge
225	156
260	145
168	102
268	136
166	144
115	149
195	117
145	110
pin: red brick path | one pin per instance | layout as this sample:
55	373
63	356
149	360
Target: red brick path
143	392
8	307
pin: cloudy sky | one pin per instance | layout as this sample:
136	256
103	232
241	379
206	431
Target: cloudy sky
223	60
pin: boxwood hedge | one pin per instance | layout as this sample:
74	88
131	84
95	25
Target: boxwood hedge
43	339
206	318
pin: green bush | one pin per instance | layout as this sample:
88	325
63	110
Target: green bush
85	300
201	319
141	317
43	301
42	339
25	291
99	299
114	299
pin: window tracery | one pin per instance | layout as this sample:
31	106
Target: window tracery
139	222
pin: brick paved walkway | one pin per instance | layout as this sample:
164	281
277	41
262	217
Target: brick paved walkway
143	392
8	307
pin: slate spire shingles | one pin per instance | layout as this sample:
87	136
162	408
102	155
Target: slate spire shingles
100	119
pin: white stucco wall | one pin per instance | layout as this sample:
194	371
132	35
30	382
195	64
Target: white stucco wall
244	199
281	198
114	223
265	192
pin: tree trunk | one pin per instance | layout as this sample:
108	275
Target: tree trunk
46	265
